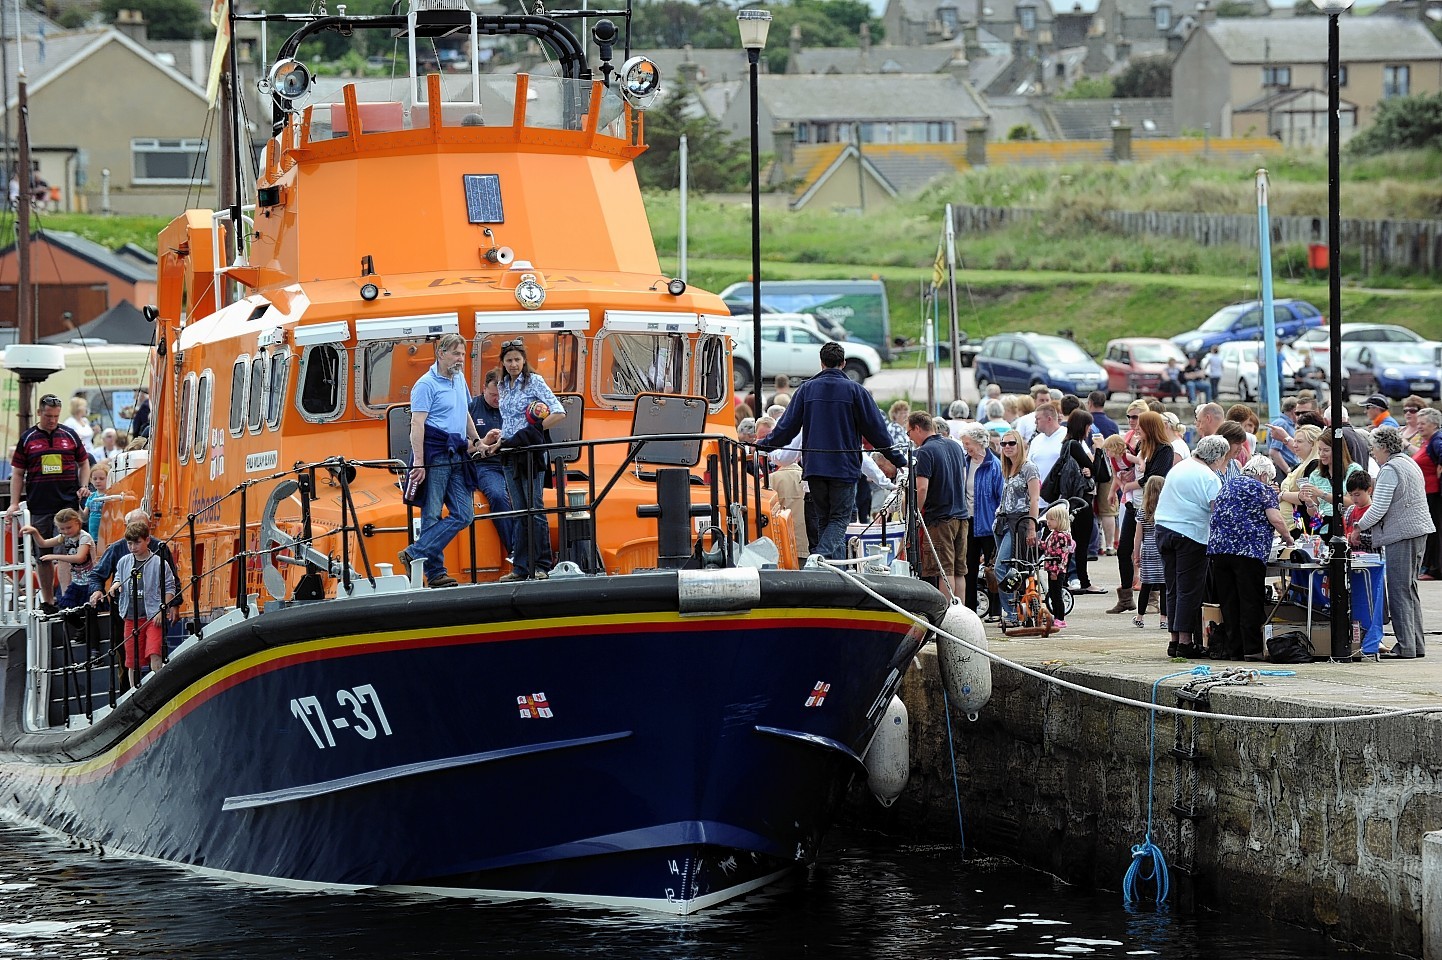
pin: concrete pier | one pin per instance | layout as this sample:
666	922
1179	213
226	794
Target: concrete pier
1324	825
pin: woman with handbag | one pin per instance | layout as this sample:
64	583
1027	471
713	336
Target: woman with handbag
528	409
1076	450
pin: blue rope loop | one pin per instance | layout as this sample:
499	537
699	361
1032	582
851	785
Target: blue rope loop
1146	849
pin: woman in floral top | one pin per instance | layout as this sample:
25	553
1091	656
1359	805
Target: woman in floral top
1017	516
1243	517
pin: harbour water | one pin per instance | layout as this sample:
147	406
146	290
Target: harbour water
868	897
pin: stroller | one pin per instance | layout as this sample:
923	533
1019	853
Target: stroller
1029	582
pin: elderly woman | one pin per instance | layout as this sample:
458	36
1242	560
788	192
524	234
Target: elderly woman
983	491
1429	458
1016	517
1184	519
896	416
1243	517
1397	524
1411	429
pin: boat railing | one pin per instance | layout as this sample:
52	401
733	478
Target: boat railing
18	597
80	671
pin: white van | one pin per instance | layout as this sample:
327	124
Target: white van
105	375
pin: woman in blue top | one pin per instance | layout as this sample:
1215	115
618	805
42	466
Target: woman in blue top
983	494
1244	515
521	388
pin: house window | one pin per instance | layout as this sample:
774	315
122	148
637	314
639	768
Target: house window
161	161
1396	81
803	133
1164	17
1276	76
1028	18
947	16
1341	75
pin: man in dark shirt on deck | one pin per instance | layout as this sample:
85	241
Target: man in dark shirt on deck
50	468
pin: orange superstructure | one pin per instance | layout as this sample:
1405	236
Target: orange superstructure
379	222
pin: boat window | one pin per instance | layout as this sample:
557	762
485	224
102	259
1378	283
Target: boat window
237	396
203	390
187	415
279	380
322	382
552	355
632	363
388	370
711	371
255	404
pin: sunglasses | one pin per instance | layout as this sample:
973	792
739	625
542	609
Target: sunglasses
50	400
1133	416
1410	409
517	344
1008	443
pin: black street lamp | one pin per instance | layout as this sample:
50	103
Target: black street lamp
754	24
1337	568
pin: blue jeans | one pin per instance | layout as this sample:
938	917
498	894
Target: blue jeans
491	481
533	534
1005	551
1195	389
448	484
835	506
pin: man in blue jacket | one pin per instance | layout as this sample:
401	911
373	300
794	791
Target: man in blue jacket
835	414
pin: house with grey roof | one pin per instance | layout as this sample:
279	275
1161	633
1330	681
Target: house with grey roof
112	126
1230	63
829	108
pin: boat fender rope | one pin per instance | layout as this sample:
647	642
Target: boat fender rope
955	780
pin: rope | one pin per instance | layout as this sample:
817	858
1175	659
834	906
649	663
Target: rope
955	780
1146	851
866	588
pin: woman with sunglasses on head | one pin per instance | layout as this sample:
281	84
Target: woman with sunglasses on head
528	409
1411	430
1016	517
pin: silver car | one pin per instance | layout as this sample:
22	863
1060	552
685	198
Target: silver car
1241	369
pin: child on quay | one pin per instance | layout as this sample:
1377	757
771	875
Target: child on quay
74	549
1056	549
1150	575
94	507
140	576
1359	488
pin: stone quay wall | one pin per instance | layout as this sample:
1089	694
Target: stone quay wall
1319	825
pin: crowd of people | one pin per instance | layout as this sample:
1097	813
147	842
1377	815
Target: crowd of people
1192	513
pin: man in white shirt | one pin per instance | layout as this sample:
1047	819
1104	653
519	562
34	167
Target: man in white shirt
1045	447
1026	423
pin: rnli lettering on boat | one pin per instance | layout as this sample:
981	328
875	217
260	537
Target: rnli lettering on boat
261	462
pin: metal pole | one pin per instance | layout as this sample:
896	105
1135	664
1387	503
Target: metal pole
1270	367
1337	567
951	301
26	303
681	238
753	56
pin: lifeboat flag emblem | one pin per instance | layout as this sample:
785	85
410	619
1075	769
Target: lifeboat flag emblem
818	694
533	706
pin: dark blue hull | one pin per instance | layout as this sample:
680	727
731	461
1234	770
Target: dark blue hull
574	740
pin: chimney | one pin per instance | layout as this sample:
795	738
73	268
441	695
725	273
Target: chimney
968	38
976	144
783	142
1206	13
1124	49
132	24
1121	141
959	67
865	38
795	42
689	70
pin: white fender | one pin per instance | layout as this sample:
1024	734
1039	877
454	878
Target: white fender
966	673
888	758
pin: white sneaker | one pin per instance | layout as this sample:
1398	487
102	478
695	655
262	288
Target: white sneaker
1073	584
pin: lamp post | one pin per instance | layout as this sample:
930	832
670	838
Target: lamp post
1337	569
754	24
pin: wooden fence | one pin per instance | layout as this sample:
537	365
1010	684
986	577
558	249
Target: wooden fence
1402	246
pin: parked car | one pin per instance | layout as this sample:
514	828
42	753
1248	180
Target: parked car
1243	321
858	306
1242	366
1136	365
1398	370
1354	337
827	328
1017	361
793	348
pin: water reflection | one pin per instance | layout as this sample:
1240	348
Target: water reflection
868	898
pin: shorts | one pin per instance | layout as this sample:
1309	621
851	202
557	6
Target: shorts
1107	505
139	649
45	523
943	548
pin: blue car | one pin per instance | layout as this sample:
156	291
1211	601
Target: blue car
1243	321
1017	361
1398	370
